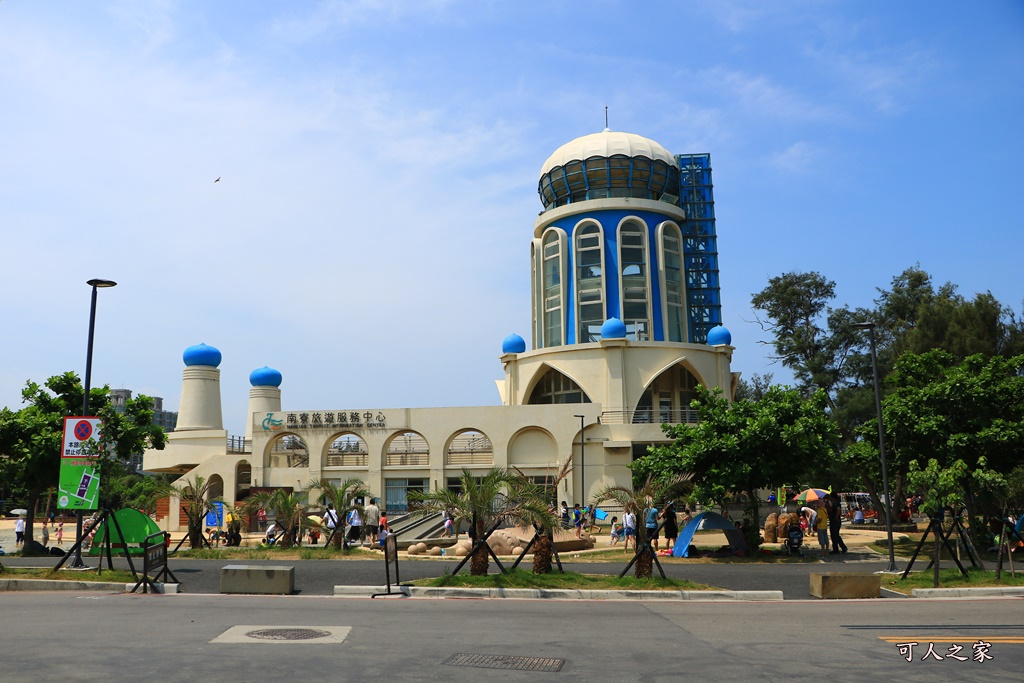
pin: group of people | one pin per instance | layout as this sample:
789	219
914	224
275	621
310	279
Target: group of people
363	528
656	522
826	520
44	531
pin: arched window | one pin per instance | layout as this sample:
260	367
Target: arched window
672	282
554	387
552	289
589	282
633	282
407	449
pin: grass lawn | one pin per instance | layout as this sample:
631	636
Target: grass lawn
112	575
906	547
569	580
952	578
766	556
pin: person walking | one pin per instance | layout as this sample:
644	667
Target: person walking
577	519
355	526
19	531
371	521
835	523
60	533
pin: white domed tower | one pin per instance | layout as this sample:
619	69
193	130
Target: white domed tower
264	397
200	390
624	283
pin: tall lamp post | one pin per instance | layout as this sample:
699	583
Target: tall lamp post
95	284
870	327
583	461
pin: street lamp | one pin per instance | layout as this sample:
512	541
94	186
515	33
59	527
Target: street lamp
95	284
870	327
583	461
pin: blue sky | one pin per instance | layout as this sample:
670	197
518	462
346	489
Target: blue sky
369	237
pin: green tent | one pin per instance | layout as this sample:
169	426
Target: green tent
135	527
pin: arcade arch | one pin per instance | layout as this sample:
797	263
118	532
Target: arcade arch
469	448
407	449
346	450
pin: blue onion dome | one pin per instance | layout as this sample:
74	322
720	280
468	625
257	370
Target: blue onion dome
265	377
513	344
719	336
613	328
201	354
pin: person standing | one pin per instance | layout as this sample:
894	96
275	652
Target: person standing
628	530
60	532
371	521
19	531
577	519
45	535
565	515
835	523
821	526
330	521
651	526
355	528
671	528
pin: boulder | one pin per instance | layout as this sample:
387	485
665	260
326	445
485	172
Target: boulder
434	551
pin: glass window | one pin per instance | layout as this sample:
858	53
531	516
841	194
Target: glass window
590	312
552	290
633	281
554	387
672	258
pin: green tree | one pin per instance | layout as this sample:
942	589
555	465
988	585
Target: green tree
653	492
969	411
497	496
744	446
343	497
31	438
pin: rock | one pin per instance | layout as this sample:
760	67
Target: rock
434	551
461	551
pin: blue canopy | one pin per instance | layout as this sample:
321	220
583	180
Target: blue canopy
709	521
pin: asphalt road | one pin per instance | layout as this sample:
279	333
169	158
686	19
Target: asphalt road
318	577
113	638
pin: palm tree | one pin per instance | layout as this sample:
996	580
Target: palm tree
196	502
290	510
498	496
343	497
544	542
653	492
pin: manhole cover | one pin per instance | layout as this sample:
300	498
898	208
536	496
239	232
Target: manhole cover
505	662
288	634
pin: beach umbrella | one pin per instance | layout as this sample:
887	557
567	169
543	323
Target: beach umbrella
809	495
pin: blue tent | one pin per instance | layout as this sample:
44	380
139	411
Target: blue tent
709	521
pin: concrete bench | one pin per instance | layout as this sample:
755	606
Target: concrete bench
846	585
259	579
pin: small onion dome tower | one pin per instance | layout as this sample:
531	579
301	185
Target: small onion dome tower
719	336
200	390
513	343
264	397
613	328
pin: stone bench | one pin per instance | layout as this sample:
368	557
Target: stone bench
846	585
258	579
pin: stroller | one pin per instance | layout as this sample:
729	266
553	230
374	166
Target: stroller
794	540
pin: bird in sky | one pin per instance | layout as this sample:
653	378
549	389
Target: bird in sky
217	180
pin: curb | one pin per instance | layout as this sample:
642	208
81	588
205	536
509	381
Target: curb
560	594
83	586
990	592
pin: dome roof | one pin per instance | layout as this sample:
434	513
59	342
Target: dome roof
607	143
513	344
201	354
265	377
718	336
613	328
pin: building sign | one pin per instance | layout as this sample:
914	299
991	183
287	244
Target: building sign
79	485
331	419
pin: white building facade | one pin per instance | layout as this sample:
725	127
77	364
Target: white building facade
626	322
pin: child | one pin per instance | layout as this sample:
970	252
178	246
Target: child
447	530
616	533
60	533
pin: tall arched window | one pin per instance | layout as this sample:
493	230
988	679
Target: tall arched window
552	289
633	282
672	282
589	282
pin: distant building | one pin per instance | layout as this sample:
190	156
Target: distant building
161	418
626	322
